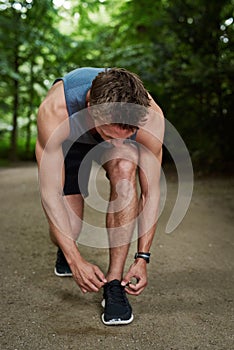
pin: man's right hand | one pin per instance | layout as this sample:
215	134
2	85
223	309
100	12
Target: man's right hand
88	276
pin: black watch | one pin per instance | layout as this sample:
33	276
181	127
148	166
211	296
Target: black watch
145	256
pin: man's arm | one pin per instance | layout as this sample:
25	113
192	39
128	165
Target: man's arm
53	129
150	139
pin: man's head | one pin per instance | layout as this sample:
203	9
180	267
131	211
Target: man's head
119	96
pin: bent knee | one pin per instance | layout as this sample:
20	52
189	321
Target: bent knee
118	169
125	168
121	159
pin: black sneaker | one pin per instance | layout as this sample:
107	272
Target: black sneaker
62	268
117	309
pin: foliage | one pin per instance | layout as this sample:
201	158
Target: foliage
28	45
182	49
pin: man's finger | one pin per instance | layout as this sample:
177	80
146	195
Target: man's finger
126	280
135	289
100	275
129	291
137	286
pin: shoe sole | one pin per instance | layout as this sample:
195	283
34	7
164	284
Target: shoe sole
118	322
62	274
115	322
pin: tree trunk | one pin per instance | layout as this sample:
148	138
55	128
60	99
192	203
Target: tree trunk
28	129
13	146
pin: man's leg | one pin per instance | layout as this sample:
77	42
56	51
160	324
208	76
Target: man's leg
123	206
73	200
120	221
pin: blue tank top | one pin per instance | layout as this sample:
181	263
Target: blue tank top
76	85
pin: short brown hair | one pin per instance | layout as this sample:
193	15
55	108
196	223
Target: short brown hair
120	95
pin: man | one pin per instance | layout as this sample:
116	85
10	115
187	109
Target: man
109	108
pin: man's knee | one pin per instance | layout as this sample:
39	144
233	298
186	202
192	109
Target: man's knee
122	169
122	177
122	162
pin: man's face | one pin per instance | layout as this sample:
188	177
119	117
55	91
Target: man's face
114	134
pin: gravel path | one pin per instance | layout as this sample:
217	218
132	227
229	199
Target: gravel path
188	303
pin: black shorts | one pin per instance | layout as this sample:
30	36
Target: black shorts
78	163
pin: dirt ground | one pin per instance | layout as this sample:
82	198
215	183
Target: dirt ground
188	303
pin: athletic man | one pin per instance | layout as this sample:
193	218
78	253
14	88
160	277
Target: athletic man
104	115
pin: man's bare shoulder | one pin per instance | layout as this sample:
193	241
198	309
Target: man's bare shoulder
152	132
54	104
53	115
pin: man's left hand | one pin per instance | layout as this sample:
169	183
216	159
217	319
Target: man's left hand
139	272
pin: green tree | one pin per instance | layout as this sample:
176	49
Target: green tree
199	78
183	51
33	51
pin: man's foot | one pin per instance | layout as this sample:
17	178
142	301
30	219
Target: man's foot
62	268
117	309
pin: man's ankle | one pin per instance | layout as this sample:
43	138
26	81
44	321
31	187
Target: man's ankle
114	276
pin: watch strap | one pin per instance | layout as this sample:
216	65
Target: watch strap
142	255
